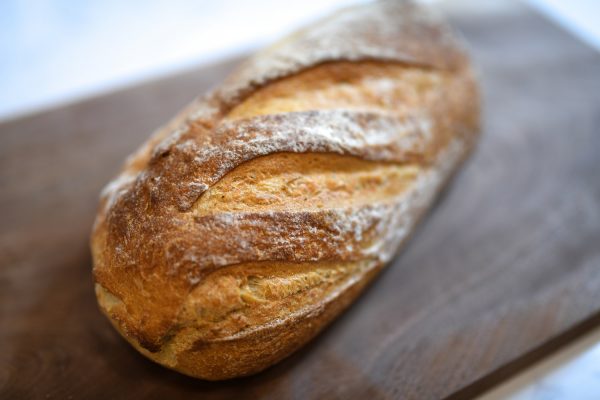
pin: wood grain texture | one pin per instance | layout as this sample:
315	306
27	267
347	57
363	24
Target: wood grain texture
505	269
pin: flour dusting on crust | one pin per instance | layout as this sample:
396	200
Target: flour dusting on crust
394	30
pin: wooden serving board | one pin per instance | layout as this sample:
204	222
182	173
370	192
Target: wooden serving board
505	269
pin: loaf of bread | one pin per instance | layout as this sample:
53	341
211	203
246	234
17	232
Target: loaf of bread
259	213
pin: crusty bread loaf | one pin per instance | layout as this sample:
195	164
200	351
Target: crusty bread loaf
249	222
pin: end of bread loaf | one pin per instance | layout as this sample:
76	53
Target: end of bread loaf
256	216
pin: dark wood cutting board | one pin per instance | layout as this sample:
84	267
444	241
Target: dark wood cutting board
505	269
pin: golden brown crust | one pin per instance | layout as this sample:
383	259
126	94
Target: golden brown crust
245	225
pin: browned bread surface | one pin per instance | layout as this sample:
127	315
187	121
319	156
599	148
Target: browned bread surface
246	224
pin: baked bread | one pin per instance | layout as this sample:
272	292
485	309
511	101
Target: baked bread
260	212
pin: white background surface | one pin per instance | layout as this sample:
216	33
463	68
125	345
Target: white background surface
56	51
